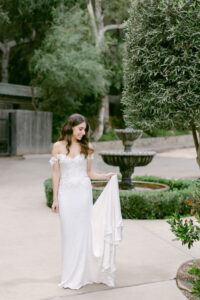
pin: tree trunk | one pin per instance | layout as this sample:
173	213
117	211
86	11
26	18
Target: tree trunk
100	126
196	142
107	125
5	62
198	150
5	47
97	20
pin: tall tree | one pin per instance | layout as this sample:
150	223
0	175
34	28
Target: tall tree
162	69
23	23
101	13
11	33
67	67
26	22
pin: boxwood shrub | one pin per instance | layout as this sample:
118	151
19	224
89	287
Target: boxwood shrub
147	205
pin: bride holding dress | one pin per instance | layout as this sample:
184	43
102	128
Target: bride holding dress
89	232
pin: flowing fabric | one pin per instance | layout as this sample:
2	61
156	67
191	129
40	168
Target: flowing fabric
90	233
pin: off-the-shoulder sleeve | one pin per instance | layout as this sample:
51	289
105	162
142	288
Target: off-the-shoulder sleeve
90	156
53	160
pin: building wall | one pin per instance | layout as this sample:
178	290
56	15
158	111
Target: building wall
15	96
33	131
7	102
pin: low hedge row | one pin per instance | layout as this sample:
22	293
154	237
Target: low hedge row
148	205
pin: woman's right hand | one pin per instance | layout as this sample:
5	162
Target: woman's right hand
109	175
55	206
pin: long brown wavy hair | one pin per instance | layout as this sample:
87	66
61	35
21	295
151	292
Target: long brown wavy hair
67	131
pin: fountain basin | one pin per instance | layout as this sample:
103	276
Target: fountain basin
127	159
128	133
128	136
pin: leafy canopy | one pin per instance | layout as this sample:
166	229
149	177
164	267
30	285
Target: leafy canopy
26	22
162	64
67	66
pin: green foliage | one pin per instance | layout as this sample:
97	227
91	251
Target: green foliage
68	68
147	205
115	11
196	281
108	136
161	65
18	19
185	231
3	16
48	191
163	132
117	123
174	184
188	232
111	56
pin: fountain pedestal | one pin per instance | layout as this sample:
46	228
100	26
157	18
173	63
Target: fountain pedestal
126	184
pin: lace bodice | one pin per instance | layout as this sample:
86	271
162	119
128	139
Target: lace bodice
72	170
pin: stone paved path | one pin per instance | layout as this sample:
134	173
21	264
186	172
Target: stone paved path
30	260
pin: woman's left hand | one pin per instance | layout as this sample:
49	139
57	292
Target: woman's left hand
109	175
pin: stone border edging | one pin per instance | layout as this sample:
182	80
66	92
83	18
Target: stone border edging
159	144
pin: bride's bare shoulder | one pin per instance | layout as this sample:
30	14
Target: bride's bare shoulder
91	146
58	146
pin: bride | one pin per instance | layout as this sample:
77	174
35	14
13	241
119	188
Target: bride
88	244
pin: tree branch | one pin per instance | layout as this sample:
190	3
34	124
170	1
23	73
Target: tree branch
21	41
24	41
106	28
2	47
114	26
11	44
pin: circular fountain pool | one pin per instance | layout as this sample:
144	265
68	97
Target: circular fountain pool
139	186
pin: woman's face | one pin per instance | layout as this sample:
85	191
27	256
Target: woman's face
79	130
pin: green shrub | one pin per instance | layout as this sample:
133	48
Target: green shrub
48	191
148	205
196	281
174	184
109	136
162	133
188	233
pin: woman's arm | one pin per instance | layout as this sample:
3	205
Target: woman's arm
55	173
93	175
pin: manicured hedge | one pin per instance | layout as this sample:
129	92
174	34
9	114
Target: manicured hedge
48	191
148	205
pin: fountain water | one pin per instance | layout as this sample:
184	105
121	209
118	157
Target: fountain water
128	159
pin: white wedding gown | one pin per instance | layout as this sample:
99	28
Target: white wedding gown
90	232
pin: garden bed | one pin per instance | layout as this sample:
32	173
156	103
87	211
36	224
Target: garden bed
145	205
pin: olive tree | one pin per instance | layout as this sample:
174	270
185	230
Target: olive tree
162	66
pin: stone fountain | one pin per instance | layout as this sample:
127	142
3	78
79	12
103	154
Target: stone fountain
128	159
